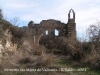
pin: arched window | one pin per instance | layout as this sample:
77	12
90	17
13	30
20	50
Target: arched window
71	15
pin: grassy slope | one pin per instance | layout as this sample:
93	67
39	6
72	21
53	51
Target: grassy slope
67	63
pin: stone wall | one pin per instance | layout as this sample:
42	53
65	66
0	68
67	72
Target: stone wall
67	30
35	34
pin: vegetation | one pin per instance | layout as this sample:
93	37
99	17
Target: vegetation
82	58
1	15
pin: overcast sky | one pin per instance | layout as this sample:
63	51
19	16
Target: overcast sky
87	11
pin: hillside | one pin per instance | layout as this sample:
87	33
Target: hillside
22	54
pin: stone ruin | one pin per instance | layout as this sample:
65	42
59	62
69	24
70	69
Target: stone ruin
47	28
36	34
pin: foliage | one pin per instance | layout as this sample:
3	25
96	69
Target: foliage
85	53
1	15
1	31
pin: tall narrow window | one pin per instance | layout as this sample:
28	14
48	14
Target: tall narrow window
56	32
71	15
46	32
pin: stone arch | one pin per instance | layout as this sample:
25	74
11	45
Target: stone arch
51	34
50	25
49	39
69	16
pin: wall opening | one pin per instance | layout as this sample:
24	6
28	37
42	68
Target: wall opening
56	32
46	32
71	15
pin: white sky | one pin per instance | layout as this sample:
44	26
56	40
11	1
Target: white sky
87	11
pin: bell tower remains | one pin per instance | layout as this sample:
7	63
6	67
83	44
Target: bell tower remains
71	26
38	31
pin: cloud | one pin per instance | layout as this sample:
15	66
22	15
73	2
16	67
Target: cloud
87	11
85	15
21	6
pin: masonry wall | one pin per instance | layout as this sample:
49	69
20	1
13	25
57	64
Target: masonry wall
67	30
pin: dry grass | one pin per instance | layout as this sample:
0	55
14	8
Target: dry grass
25	60
44	60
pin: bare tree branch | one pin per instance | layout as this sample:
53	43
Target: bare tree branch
14	21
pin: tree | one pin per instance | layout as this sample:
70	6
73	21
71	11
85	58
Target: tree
94	35
94	32
1	15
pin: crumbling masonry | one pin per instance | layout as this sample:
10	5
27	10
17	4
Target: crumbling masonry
47	27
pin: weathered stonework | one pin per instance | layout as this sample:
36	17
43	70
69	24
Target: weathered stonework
36	34
37	31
